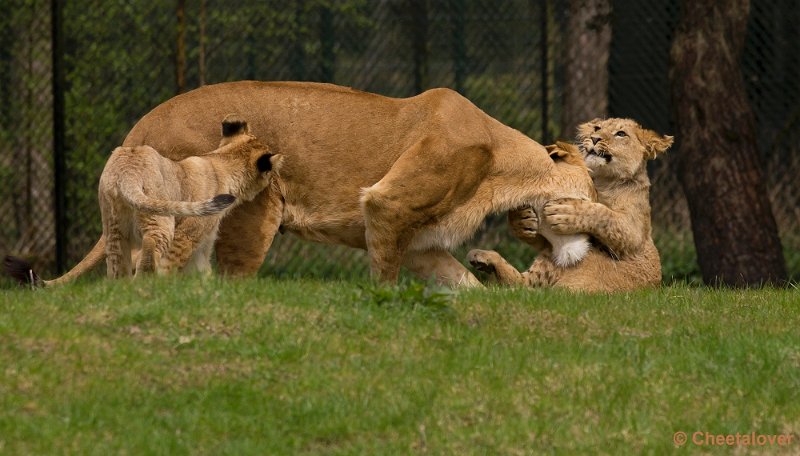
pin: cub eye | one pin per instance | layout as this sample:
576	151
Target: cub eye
621	134
596	128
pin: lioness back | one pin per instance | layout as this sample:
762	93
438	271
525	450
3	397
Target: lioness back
319	127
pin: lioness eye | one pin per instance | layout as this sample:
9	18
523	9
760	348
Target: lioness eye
596	128
621	134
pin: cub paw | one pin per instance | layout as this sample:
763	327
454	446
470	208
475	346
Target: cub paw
483	260
524	223
563	216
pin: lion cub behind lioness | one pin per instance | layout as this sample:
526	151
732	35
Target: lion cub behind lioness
624	256
141	193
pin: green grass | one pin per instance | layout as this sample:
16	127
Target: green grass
180	365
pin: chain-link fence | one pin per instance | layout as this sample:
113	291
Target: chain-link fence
539	66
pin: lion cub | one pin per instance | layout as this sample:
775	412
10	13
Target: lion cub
624	256
141	193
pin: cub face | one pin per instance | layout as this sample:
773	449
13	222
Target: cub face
616	149
260	164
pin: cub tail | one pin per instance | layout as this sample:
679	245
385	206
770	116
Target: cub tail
137	198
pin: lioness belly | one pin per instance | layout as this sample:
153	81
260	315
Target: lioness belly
342	228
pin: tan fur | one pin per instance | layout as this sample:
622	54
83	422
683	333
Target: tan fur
407	179
171	210
625	257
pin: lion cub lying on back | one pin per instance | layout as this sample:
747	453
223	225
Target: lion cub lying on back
624	256
141	193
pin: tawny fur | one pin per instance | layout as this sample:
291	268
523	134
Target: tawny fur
142	192
407	179
625	258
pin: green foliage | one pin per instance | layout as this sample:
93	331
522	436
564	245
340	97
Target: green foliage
409	293
182	365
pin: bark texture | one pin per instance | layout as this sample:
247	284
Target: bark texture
586	70
734	229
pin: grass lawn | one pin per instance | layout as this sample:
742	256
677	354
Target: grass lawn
179	365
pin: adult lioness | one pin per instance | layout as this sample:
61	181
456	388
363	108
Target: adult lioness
141	193
625	257
406	179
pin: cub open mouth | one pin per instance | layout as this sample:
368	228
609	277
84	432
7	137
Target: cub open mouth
600	154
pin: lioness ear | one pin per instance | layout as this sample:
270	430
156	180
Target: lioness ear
233	125
654	144
566	152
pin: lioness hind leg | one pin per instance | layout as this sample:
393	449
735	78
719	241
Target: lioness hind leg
426	183
442	266
492	263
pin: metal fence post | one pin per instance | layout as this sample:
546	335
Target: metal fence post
59	159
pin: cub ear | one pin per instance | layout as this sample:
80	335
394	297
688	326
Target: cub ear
264	163
269	162
233	125
654	144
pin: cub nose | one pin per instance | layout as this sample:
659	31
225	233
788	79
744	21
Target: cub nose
595	140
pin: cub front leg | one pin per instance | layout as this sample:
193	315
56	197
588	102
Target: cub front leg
524	225
568	216
616	230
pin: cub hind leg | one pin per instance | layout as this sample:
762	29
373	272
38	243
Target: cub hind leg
441	265
157	232
496	266
117	230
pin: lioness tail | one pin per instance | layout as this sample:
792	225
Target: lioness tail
22	271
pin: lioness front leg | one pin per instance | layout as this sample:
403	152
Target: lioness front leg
491	262
613	229
247	232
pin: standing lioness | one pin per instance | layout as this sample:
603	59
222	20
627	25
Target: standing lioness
408	179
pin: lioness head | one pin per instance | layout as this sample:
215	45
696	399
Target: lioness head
245	150
619	148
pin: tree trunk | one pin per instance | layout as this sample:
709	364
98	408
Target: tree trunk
180	48
734	230
586	70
